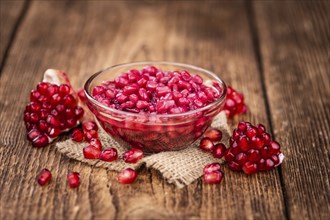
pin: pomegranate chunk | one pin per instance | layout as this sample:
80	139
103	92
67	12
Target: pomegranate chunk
109	154
250	151
234	103
73	179
127	176
44	177
53	109
133	155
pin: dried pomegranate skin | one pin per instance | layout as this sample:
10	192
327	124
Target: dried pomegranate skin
127	176
252	150
44	177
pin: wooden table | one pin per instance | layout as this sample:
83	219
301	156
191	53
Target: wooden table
275	52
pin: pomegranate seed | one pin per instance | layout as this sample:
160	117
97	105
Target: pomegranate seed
206	144
234	166
44	177
77	135
96	143
133	155
219	151
40	141
211	168
54	132
109	154
252	150
89	125
213	177
250	168
33	134
73	179
213	134
91	152
89	135
127	176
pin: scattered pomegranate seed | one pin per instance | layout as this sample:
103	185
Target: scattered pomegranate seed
234	103
73	179
91	134
212	167
44	177
213	134
109	154
133	155
89	125
206	144
213	177
127	176
96	143
252	150
77	135
91	152
219	150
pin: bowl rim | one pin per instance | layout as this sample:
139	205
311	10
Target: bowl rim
155	63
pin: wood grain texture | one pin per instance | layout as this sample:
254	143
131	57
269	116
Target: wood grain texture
10	11
294	41
82	38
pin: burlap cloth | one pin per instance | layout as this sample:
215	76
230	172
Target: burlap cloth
178	167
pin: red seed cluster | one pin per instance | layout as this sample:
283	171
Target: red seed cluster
234	103
153	90
52	110
252	149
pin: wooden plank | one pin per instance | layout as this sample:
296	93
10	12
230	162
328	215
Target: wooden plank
294	38
89	36
10	11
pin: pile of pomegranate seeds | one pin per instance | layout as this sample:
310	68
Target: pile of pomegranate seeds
234	103
152	90
212	173
127	176
73	179
252	149
52	110
44	177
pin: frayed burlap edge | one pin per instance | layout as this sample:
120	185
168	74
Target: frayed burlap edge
178	167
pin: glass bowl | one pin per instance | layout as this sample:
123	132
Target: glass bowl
155	132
